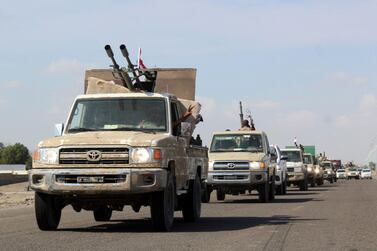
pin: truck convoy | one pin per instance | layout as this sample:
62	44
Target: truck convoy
241	161
124	144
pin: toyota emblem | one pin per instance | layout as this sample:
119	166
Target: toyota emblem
93	155
231	165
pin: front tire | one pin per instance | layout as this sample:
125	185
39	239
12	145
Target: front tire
206	194
47	211
102	214
220	195
162	207
263	192
192	204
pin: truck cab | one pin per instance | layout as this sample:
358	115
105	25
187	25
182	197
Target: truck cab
241	161
297	173
328	171
120	149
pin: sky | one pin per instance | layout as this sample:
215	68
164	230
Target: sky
304	69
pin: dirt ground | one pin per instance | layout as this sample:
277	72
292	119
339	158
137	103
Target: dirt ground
14	195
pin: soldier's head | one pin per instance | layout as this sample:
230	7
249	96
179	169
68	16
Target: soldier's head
245	123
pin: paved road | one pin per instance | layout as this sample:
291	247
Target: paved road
340	216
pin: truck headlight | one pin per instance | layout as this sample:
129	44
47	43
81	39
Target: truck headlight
309	169
145	155
316	170
46	156
257	165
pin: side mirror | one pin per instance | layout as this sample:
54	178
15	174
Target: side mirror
58	129
185	129
284	157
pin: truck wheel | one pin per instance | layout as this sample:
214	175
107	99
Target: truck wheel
206	194
285	187
162	206
102	214
312	183
47	211
220	195
271	192
332	180
192	203
303	185
263	191
279	189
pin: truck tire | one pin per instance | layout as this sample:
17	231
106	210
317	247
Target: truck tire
271	190
206	193
303	185
312	183
192	204
280	189
47	211
263	192
332	180
162	206
220	195
102	214
285	186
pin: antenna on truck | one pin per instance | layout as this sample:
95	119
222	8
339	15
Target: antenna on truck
126	81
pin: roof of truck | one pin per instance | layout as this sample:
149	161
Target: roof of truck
130	94
239	132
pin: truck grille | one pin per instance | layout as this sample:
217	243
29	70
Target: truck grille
291	169
230	177
231	165
107	156
90	179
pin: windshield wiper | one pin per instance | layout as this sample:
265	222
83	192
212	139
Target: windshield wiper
80	129
131	129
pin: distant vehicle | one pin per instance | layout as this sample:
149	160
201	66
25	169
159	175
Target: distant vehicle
309	164
297	173
281	171
341	174
366	173
328	169
353	173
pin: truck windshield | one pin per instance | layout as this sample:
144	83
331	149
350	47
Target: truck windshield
308	159
292	156
237	143
118	114
327	165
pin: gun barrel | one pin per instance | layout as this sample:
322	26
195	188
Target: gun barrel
125	54
124	50
109	51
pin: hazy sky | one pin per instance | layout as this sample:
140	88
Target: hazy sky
305	69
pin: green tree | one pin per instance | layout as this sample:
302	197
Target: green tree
15	154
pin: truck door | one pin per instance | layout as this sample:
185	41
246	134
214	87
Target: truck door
180	156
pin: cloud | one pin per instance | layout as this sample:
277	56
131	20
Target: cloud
66	66
11	84
302	119
347	79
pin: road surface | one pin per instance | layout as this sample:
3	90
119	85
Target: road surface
339	216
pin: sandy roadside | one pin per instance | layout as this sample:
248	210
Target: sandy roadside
15	195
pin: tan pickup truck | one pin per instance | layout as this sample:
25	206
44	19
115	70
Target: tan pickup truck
241	161
120	149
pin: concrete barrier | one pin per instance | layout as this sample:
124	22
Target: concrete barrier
11	177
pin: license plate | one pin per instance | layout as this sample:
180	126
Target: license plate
229	177
90	179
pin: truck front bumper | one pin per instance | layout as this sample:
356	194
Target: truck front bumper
98	181
238	179
293	177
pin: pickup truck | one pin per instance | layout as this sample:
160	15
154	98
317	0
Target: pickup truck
241	161
281	171
309	164
297	173
328	169
116	150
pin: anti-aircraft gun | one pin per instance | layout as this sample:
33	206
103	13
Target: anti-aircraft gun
130	76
